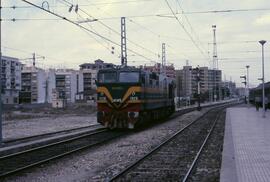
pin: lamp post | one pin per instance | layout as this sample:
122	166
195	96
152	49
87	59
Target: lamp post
247	92
262	42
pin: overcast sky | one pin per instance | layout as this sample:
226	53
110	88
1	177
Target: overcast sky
148	24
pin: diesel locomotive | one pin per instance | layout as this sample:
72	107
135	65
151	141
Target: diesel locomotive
128	96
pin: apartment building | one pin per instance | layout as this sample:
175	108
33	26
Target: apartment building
33	88
11	79
170	70
187	81
184	82
63	83
98	64
87	77
87	85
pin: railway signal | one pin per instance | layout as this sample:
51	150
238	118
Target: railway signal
245	83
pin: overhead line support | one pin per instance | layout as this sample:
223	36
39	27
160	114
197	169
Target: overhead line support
123	42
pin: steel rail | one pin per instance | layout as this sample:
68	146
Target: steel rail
201	148
95	142
45	135
163	143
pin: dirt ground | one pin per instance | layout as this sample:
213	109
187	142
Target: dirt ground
24	122
47	111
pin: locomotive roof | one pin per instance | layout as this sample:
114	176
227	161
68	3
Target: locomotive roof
266	85
131	69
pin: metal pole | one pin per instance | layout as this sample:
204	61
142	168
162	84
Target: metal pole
199	91
123	42
214	61
247	85
263	92
262	42
1	134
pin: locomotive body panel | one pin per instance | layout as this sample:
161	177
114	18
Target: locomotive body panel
123	102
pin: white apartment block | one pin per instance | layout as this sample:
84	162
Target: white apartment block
33	85
87	86
11	79
65	82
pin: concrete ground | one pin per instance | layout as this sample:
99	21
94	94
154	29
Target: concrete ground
246	150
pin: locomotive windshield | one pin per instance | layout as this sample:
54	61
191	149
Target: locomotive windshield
129	77
107	77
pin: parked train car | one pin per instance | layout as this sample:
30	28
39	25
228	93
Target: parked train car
257	92
128	96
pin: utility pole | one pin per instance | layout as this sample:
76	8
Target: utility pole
163	58
1	134
187	62
34	60
46	90
123	42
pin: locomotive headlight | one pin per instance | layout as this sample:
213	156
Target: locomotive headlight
133	114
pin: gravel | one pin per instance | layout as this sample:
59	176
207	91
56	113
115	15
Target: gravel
102	162
170	162
13	129
209	164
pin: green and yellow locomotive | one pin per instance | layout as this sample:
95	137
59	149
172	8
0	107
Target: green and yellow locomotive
128	96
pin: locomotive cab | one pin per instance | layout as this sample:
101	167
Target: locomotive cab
118	97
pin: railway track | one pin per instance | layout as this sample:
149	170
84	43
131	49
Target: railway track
194	162
9	142
175	158
16	162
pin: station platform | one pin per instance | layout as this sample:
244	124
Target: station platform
246	148
206	104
